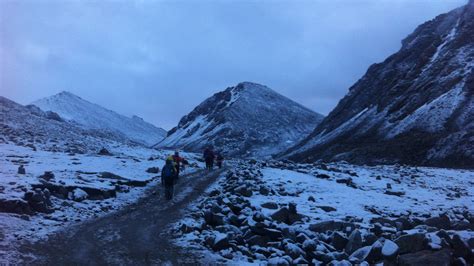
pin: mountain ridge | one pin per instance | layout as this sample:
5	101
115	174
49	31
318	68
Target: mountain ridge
240	119
415	107
90	115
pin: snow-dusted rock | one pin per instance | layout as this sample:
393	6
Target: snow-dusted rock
79	195
389	249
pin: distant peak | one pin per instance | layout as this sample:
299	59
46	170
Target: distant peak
67	93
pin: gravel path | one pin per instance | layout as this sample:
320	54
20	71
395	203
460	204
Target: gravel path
136	235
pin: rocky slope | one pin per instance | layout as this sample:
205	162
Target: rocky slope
246	120
416	107
93	116
31	127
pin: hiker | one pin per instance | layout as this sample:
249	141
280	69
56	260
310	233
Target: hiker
178	163
219	160
209	158
168	177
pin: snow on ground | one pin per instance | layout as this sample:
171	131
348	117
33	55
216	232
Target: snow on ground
81	170
326	192
427	194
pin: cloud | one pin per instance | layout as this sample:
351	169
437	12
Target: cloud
159	59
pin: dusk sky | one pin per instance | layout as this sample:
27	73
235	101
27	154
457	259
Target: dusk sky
159	59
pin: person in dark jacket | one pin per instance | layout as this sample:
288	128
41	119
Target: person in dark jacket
178	163
219	160
168	178
209	158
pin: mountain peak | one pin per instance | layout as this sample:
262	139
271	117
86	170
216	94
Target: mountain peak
248	119
93	116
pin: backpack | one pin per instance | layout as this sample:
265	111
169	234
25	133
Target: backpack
168	175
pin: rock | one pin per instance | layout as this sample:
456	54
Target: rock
394	193
323	176
244	191
389	249
375	254
17	206
153	170
311	198
441	222
292	208
273	234
270	205
327	208
213	219
461	248
104	152
360	255
294	251
339	241
48	176
221	242
79	195
425	257
331	225
354	242
281	215
21	170
277	261
258	240
411	243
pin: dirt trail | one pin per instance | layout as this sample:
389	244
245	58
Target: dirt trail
135	235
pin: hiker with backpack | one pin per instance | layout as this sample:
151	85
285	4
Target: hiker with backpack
168	178
209	158
179	163
219	160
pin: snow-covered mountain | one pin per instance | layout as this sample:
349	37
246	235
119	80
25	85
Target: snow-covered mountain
93	116
416	107
246	120
31	127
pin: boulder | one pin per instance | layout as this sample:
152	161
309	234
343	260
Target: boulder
48	176
354	242
294	251
339	241
244	191
270	205
327	208
395	193
461	248
331	225
389	249
441	222
21	170
104	152
221	241
79	195
426	257
411	243
153	170
17	206
360	255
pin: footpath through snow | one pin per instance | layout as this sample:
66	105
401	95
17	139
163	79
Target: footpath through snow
136	235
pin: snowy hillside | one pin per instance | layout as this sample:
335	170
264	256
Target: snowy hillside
246	120
416	107
93	116
29	126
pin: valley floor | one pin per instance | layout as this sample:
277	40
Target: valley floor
109	210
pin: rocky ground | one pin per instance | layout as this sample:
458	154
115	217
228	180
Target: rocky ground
338	214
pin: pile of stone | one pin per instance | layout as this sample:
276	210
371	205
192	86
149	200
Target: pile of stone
232	226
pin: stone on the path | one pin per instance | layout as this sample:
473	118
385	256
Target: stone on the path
153	170
79	195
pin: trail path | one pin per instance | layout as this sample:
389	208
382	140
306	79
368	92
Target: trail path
136	235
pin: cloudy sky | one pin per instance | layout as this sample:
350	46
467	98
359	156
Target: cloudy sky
159	59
